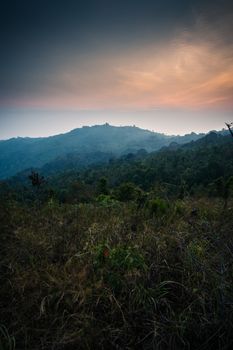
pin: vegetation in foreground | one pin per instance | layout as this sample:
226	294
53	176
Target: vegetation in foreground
136	254
115	276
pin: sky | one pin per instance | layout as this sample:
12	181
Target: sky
162	65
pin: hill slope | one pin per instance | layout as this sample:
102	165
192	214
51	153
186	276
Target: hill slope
191	168
18	154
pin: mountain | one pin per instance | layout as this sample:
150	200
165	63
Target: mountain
93	143
196	167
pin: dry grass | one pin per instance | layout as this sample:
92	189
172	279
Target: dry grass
93	277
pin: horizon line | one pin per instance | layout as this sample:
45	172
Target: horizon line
115	126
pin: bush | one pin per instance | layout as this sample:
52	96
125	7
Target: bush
126	192
117	263
158	207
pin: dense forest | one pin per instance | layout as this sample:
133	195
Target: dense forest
84	146
133	251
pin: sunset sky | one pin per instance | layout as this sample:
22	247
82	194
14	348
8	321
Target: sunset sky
164	65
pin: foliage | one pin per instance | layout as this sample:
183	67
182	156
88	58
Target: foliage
7	342
80	276
136	254
79	148
157	206
126	192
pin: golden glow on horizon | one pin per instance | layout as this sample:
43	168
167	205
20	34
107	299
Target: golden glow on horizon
187	73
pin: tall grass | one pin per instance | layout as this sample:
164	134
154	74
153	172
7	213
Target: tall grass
90	276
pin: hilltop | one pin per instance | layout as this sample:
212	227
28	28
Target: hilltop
17	154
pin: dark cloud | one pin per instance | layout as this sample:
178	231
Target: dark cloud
44	42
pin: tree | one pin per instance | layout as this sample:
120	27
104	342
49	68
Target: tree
126	192
36	179
229	128
102	186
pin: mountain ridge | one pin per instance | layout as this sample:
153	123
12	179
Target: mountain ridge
202	161
17	154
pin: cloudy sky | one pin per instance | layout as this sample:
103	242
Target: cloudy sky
163	65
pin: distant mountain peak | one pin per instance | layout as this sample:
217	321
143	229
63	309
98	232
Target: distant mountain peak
20	153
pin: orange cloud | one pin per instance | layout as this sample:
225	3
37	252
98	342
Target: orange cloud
185	73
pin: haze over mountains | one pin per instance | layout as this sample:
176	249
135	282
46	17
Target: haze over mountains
82	147
85	145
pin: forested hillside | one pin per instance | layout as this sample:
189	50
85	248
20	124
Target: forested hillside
195	168
87	143
133	253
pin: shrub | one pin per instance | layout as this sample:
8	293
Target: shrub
158	207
